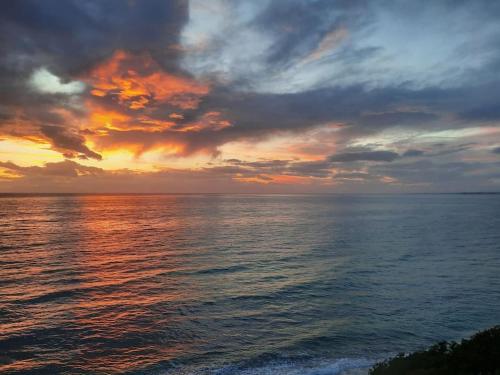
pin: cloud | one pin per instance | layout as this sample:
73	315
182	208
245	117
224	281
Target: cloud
447	176
46	82
335	86
440	151
346	157
270	40
137	82
398	118
413	153
261	176
65	168
48	49
69	176
329	42
62	138
310	28
69	37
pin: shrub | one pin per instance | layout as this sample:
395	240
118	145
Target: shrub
479	355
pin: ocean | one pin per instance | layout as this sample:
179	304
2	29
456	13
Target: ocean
241	284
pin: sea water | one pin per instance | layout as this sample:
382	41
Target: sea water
240	284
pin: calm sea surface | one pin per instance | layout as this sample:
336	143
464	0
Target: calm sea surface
240	284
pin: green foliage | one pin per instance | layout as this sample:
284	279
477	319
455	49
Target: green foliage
479	355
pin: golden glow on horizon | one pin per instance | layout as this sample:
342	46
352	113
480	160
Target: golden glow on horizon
27	153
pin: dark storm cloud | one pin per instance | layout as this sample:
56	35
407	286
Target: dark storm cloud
61	138
68	36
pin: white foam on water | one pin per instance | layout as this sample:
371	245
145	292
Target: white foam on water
341	366
344	366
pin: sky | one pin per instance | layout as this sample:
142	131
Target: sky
228	96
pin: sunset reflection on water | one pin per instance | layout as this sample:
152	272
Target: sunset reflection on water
95	276
204	284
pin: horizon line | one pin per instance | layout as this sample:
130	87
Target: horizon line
20	194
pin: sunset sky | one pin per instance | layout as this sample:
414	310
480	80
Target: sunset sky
249	96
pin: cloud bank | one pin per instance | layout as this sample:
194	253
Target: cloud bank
260	96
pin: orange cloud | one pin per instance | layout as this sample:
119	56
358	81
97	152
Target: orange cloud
138	82
140	138
132	105
103	118
136	106
210	120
